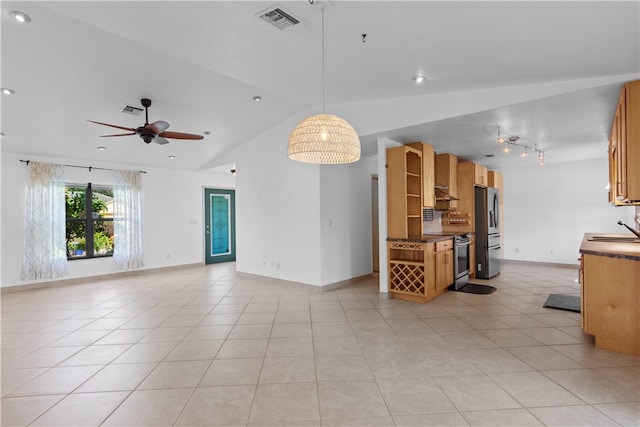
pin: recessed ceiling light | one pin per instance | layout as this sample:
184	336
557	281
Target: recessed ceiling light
419	79
257	98
7	91
172	157
101	148
21	17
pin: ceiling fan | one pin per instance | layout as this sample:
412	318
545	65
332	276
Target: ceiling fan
156	131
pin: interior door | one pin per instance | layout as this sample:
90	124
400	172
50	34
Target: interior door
219	225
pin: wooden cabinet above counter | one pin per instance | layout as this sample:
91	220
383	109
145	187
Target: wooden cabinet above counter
404	192
428	159
624	148
446	179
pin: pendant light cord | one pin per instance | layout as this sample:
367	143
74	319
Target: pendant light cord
323	104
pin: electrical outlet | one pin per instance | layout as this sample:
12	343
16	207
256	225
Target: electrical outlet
517	250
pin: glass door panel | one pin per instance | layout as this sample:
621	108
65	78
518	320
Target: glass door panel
219	225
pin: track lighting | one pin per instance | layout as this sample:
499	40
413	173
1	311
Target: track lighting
512	140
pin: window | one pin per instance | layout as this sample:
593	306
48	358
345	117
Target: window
89	212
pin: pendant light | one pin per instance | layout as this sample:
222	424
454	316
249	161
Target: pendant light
324	138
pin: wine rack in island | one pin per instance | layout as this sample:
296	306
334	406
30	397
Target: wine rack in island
420	269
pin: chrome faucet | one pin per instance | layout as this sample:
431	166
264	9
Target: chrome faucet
630	229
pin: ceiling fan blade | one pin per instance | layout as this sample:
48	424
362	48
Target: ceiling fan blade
180	135
118	134
160	140
113	126
158	126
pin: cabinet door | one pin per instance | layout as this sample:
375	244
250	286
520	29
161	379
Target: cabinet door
404	192
446	172
428	177
495	181
444	269
480	175
449	267
428	172
620	124
612	171
632	141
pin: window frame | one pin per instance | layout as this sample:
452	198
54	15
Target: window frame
88	220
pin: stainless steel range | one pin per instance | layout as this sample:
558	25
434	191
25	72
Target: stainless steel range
462	260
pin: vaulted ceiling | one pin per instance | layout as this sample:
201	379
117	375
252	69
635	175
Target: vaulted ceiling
202	62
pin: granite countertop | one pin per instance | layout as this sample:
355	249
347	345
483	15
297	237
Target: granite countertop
624	250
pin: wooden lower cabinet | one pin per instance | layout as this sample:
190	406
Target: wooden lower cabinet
418	272
610	302
444	264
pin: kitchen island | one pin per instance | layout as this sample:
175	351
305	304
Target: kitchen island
420	268
610	291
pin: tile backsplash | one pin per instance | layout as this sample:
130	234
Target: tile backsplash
433	226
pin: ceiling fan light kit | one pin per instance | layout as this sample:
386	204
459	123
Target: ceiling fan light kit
156	131
324	138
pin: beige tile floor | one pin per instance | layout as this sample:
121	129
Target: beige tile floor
204	346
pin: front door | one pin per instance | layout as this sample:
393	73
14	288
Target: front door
219	226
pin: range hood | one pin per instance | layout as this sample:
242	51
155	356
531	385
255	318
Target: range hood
443	198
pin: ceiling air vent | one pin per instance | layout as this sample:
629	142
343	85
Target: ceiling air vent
278	17
136	111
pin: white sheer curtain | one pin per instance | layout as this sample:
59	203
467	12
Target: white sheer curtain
45	252
127	220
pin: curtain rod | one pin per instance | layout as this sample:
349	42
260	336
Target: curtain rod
83	167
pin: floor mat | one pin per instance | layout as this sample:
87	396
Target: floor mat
477	289
563	302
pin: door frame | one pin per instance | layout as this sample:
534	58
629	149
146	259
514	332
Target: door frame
206	192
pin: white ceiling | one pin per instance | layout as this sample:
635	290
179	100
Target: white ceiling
201	63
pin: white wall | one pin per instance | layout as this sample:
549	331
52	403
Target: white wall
346	217
383	144
277	210
172	209
300	222
548	209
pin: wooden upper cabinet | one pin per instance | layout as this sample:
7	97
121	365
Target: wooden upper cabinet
404	192
495	181
480	175
624	148
428	175
446	175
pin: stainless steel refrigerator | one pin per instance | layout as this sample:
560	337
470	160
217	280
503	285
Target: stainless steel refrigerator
487	221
